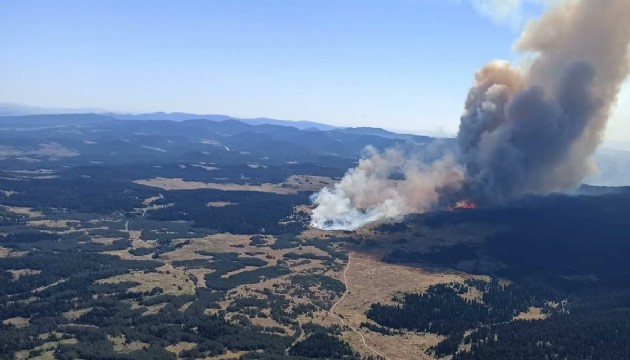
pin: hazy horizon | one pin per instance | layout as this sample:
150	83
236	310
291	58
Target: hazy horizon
391	64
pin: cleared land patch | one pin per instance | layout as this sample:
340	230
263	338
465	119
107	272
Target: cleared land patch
17	274
181	184
56	224
46	350
122	346
370	281
220	204
171	281
26	211
533	313
292	184
180	347
75	314
18	321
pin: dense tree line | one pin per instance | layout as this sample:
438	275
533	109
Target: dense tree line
591	335
323	346
441	308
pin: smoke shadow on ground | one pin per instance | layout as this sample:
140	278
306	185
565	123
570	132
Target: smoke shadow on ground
561	236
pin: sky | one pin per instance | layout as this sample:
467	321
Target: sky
399	64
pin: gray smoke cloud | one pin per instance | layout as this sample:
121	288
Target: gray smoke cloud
530	131
534	132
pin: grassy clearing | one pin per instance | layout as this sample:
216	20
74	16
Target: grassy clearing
122	346
18	321
55	224
269	322
104	240
47	350
473	294
229	355
220	204
180	347
370	281
171	281
153	309
291	185
181	184
75	314
152	199
26	211
17	274
533	313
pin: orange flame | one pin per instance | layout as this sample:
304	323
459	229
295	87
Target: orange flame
462	204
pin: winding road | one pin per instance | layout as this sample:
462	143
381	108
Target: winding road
332	311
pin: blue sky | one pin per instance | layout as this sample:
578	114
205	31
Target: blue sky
399	64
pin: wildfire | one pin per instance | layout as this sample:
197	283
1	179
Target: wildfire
462	204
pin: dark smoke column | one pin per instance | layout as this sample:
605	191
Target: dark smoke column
534	131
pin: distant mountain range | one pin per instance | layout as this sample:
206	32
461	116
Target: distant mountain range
20	110
104	139
179	116
613	159
90	114
8	109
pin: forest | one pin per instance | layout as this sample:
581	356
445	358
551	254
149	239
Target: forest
94	265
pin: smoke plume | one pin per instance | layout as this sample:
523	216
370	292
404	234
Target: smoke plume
523	132
534	132
370	191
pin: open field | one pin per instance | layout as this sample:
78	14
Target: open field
23	272
534	313
57	224
75	314
292	185
219	203
16	321
46	350
180	347
181	184
22	210
122	346
171	281
370	281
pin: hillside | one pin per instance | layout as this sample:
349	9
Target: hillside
147	239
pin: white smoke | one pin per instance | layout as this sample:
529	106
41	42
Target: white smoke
522	132
385	185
